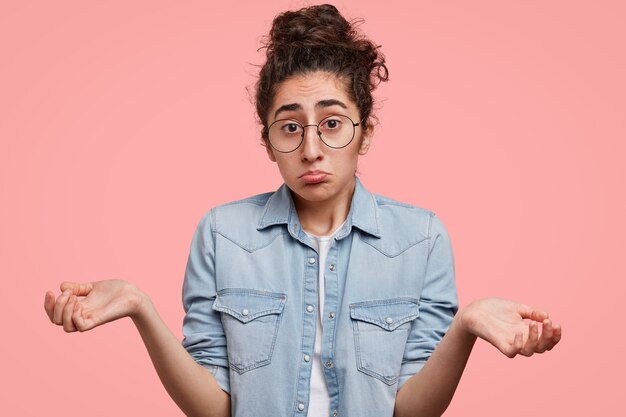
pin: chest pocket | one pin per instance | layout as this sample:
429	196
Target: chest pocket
251	320
381	329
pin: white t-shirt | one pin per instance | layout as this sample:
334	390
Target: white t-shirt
319	401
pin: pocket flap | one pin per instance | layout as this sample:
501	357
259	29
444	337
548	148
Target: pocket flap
246	305
387	314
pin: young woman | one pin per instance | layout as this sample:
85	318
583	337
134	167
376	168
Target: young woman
320	299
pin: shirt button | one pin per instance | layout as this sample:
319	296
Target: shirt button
389	320
301	407
245	312
329	364
331	315
335	413
307	358
311	260
332	267
310	308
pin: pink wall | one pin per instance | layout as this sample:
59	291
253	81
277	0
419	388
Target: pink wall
121	123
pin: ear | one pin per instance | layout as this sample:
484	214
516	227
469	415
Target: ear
366	140
270	152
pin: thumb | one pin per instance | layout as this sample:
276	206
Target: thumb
534	314
76	288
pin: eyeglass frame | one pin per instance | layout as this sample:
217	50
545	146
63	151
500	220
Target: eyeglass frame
266	131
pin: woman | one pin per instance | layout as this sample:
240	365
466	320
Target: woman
320	299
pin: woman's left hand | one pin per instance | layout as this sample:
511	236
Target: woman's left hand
511	327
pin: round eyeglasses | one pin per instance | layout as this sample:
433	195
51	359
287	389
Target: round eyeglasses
336	131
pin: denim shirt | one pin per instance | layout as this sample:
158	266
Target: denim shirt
251	297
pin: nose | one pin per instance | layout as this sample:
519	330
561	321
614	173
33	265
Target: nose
311	144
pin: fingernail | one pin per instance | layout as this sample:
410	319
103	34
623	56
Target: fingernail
66	293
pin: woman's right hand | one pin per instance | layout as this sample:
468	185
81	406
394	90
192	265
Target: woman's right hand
83	306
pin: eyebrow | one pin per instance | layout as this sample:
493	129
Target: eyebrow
320	104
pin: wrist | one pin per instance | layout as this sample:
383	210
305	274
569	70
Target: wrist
140	303
462	324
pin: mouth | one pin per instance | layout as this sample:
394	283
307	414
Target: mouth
314	177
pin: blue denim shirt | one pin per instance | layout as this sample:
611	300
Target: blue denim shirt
251	297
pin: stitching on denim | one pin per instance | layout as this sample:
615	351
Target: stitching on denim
395	300
295	393
383	325
240	370
257	200
251	249
384	201
359	365
430	233
390	255
265	295
236	314
281	298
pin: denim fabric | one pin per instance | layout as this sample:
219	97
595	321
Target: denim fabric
250	297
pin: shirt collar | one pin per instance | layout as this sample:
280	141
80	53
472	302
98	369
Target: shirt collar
363	214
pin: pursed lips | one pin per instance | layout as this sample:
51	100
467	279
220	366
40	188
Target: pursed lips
313	177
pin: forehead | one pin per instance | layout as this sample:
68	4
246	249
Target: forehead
308	89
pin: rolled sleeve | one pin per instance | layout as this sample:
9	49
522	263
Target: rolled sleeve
203	333
438	302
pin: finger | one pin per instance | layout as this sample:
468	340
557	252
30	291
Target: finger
68	324
48	304
534	314
57	315
556	337
79	320
514	348
545	340
531	343
76	288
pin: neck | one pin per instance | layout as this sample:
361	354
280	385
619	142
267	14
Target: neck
321	218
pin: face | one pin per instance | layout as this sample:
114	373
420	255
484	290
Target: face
315	172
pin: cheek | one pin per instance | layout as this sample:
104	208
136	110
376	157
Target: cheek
348	162
286	164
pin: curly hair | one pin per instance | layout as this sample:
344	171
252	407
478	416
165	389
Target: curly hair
319	38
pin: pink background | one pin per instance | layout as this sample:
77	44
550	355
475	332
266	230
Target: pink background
121	123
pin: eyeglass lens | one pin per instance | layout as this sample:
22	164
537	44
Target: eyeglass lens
286	135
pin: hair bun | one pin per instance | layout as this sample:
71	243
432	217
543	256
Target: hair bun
311	27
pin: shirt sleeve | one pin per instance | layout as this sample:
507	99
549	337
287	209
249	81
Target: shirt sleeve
438	302
203	333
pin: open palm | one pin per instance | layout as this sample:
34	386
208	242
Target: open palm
83	306
511	327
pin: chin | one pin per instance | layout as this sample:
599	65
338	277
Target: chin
313	192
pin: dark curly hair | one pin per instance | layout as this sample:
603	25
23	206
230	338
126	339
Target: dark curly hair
319	38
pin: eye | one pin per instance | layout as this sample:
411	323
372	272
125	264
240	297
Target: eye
290	127
331	123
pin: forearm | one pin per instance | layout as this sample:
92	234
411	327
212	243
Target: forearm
429	392
192	387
